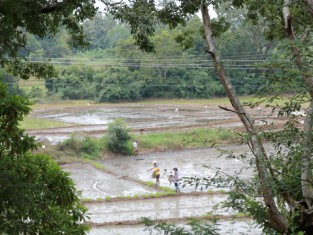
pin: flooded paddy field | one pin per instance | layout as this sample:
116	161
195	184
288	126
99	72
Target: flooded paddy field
124	176
231	227
93	120
180	206
95	184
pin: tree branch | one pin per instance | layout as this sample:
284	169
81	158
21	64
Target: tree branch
57	6
110	3
229	110
310	6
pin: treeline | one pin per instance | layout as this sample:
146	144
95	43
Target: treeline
121	83
112	68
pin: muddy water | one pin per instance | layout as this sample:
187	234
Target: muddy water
190	163
138	115
96	184
93	121
171	208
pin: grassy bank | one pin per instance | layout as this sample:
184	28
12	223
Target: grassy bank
194	138
93	148
31	123
55	102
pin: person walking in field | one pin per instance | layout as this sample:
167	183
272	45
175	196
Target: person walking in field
135	147
156	173
176	179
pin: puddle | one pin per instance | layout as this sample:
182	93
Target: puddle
86	117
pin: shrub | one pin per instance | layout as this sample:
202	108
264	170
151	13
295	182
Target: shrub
118	139
89	146
71	144
35	92
85	147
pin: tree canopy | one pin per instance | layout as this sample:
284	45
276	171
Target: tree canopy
41	18
36	196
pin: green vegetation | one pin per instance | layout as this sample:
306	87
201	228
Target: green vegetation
84	147
31	123
195	138
118	138
108	198
195	227
113	69
32	184
149	183
97	165
86	200
91	148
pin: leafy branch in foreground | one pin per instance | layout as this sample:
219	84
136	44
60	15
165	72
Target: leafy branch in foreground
36	196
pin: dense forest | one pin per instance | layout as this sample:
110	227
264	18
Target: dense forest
113	69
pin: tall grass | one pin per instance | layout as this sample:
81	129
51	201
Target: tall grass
31	123
196	138
84	147
92	148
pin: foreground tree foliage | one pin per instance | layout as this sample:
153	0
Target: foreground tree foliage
41	18
195	227
283	179
36	196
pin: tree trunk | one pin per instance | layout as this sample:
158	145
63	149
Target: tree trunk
276	220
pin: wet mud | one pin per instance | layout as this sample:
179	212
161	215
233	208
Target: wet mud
94	120
121	216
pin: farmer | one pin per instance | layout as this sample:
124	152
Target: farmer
156	173
135	147
176	179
